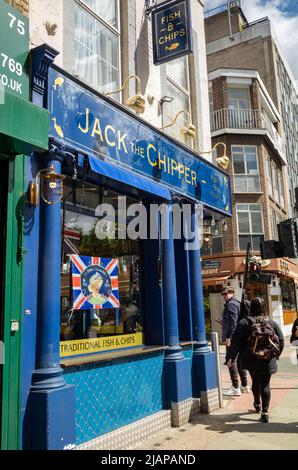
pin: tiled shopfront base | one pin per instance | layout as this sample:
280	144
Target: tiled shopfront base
185	411
130	435
209	401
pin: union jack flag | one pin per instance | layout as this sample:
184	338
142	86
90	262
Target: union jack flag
94	282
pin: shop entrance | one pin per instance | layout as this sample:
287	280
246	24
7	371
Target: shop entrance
3	216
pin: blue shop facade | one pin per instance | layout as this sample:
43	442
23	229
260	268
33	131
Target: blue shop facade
94	363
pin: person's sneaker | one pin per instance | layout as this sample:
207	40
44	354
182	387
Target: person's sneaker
257	407
264	418
233	392
245	389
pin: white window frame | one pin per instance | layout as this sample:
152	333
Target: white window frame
249	211
237	99
269	175
115	30
246	175
186	93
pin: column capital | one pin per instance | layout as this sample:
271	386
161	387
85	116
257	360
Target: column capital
41	58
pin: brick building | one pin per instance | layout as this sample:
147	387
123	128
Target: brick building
248	114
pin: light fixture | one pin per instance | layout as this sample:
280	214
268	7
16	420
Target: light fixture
213	223
51	184
136	102
189	129
225	225
222	161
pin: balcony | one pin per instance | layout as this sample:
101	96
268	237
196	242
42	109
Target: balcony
247	121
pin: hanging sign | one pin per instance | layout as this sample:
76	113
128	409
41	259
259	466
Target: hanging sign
171	31
14	50
94	282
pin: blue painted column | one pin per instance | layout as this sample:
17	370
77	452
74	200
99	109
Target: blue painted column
51	401
177	368
204	365
51	405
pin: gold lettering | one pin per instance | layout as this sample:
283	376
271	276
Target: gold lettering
182	32
108	127
174	166
121	140
87	123
151	146
180	170
186	172
194	178
97	129
162	162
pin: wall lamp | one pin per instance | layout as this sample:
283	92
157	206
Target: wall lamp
223	161
136	102
51	184
189	129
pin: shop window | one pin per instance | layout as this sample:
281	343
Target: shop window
250	225
80	238
97	43
214	245
288	295
246	169
177	87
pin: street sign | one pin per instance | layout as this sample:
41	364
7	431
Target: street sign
171	31
14	50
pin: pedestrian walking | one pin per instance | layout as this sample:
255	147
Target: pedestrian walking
260	342
230	317
294	336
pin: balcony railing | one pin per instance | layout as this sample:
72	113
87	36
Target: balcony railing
236	119
246	119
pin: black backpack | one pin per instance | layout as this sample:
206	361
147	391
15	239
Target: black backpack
263	342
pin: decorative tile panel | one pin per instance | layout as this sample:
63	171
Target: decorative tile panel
113	394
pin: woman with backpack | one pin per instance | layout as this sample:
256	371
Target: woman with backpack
260	342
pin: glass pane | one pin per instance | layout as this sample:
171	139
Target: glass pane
256	241
239	166
96	52
177	71
256	222
179	103
255	207
243	240
243	222
239	98
107	9
252	165
80	238
242	207
108	60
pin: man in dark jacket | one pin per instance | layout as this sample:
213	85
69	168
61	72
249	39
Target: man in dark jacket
229	322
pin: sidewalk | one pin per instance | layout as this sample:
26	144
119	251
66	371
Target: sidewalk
237	426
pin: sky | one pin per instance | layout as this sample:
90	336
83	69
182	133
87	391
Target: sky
284	17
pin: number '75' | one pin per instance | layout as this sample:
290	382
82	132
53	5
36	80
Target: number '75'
20	25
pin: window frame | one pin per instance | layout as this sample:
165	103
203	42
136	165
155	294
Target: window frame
246	175
249	211
186	94
112	29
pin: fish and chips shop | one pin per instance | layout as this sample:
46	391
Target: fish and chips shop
117	319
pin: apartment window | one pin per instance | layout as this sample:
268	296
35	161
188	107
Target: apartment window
280	189
239	98
177	87
97	43
250	225
269	176
246	169
275	181
273	222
